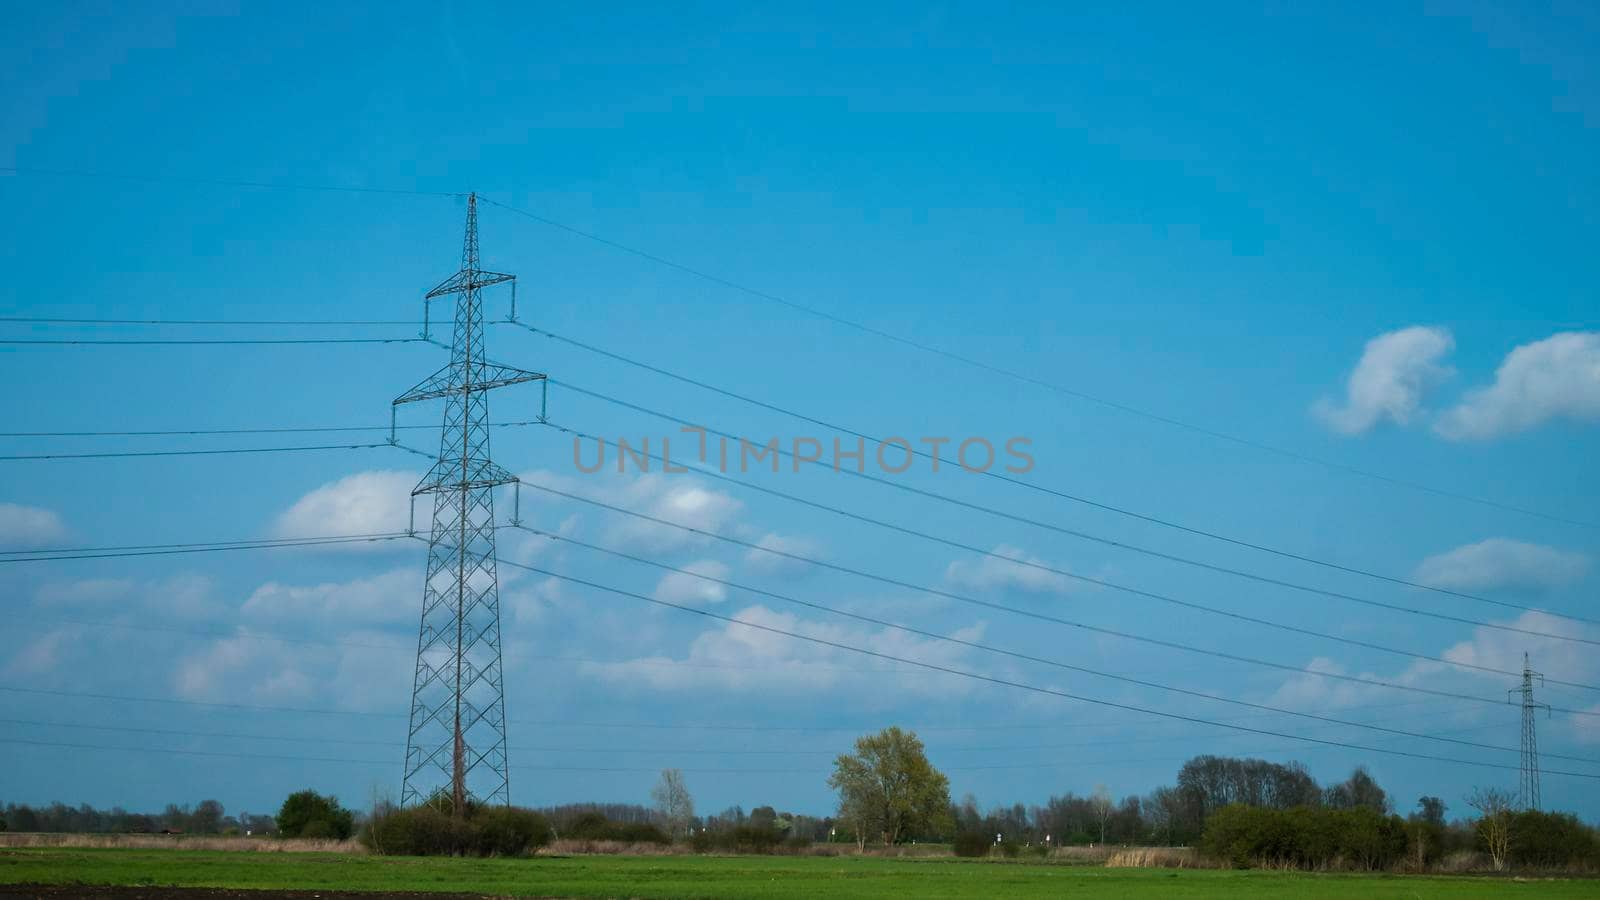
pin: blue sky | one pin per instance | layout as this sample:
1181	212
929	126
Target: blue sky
1361	235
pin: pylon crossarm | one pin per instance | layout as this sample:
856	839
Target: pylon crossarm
448	382
460	283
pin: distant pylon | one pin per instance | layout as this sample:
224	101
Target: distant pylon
1528	788
456	747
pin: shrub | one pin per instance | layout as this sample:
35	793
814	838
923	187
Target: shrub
592	826
1552	840
308	814
1305	837
428	831
971	843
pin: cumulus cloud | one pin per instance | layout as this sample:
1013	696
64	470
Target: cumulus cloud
677	587
29	526
1502	563
1490	648
674	498
358	673
189	596
772	563
363	503
43	654
1558	377
988	573
390	597
735	658
1395	373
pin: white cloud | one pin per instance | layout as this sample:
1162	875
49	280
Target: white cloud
243	666
1502	563
1314	692
187	596
43	654
676	498
29	526
772	563
390	597
1558	377
85	592
363	503
1396	371
1490	648
988	573
677	587
735	658
1500	649
1587	728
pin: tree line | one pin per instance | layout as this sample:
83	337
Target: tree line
205	817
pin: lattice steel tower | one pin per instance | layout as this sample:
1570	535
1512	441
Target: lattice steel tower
1528	787
456	748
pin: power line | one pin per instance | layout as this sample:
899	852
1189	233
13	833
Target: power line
270	429
698	751
1053	492
642	726
991	679
927	348
251	544
1039	382
1025	657
279	637
224	182
883	579
1164	598
42	320
137	342
127	454
182	550
1084	535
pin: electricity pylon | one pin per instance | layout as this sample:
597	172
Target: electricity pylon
1528	786
456	747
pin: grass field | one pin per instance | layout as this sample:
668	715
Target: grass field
696	876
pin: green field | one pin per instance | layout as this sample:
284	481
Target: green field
695	876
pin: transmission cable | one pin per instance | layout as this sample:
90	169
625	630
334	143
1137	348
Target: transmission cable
1026	657
1083	535
1037	382
1001	476
1003	682
1045	617
921	535
333	323
19	556
270	429
644	726
134	342
225	182
129	454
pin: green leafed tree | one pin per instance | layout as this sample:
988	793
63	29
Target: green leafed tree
888	790
308	814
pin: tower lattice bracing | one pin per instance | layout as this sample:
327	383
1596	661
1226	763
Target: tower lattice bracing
1528	786
456	748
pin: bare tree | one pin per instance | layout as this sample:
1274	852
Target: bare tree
1101	802
1494	821
672	801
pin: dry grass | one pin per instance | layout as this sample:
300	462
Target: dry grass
177	842
575	847
1085	855
1158	858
